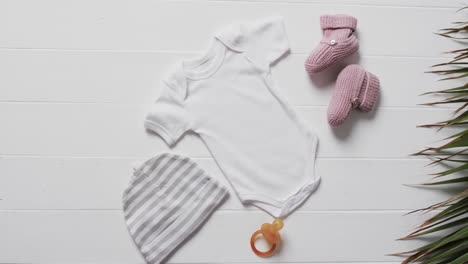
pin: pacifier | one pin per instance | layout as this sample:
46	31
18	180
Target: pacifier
270	233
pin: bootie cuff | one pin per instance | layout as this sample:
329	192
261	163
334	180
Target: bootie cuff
338	21
371	93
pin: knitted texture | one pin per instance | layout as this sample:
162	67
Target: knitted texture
355	88
337	43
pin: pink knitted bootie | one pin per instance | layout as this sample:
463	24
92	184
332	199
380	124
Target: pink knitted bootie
337	43
355	88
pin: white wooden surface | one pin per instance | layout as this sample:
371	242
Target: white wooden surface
76	78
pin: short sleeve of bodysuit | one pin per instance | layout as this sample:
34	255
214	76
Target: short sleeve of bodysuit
168	117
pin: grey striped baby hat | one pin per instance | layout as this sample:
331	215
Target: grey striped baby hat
169	197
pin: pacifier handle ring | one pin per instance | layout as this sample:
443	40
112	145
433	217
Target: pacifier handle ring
253	238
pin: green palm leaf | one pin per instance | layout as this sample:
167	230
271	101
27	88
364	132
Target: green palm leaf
452	219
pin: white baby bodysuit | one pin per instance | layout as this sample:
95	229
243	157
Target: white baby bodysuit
228	98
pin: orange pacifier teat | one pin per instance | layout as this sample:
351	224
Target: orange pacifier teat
270	233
